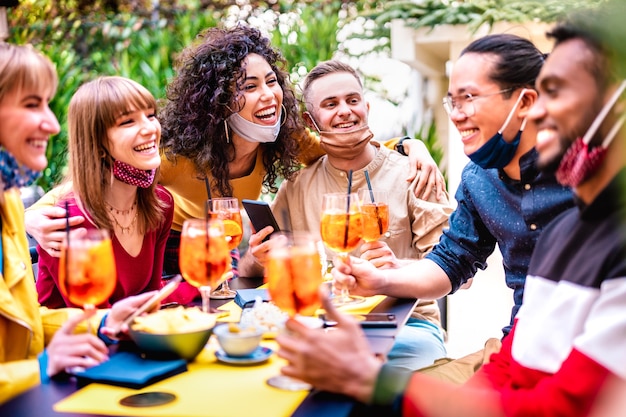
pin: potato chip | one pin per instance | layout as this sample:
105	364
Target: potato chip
175	320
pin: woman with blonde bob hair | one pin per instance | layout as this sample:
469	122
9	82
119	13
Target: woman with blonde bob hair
114	157
36	342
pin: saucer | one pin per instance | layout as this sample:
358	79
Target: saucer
260	355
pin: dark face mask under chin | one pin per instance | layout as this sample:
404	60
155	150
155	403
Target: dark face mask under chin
497	152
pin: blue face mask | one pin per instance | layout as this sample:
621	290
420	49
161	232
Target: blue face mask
13	173
497	152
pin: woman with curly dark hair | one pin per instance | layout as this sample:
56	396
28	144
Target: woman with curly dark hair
230	125
223	75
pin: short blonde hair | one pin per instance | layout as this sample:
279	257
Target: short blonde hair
23	67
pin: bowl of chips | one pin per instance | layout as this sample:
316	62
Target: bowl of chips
173	333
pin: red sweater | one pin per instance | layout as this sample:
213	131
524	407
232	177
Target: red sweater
135	274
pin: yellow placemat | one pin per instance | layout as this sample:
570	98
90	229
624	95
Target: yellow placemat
208	389
364	307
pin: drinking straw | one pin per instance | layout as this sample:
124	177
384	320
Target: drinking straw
369	186
208	188
345	235
67	248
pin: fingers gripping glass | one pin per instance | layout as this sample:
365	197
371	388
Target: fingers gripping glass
464	103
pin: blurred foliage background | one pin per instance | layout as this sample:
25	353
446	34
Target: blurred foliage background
140	39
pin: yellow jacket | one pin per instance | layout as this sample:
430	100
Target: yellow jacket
25	327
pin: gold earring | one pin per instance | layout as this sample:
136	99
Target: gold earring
226	130
284	114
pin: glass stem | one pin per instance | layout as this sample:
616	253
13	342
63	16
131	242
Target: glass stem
205	292
89	307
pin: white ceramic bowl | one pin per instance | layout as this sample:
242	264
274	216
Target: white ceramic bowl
238	343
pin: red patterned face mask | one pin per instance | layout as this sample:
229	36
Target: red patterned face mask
580	161
133	176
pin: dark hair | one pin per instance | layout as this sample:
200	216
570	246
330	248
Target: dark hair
209	80
322	69
519	60
603	32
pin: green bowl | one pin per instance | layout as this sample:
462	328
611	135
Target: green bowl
171	346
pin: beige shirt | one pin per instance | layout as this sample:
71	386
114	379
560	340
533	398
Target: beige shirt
414	224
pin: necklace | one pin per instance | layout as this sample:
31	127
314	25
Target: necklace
121	212
126	229
123	229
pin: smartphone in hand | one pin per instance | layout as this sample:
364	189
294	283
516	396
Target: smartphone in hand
152	301
371	320
260	215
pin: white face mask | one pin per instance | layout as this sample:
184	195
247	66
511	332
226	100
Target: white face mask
253	132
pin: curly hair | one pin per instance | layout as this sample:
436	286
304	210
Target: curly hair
210	76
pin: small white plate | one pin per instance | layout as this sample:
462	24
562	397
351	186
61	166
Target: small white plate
260	355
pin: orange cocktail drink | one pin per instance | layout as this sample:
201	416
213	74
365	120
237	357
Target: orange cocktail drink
293	273
341	231
375	209
204	255
375	220
87	275
233	229
227	210
341	227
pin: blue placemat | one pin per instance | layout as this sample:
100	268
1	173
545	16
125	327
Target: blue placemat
130	370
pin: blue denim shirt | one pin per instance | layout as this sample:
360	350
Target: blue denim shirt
492	208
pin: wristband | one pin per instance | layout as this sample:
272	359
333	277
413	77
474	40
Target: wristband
390	383
400	146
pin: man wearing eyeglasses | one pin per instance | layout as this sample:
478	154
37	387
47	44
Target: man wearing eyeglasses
502	198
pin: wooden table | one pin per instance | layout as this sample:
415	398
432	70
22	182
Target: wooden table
39	400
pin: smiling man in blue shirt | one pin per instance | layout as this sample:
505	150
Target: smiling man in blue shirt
502	198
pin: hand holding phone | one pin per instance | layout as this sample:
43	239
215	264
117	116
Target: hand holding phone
152	302
260	215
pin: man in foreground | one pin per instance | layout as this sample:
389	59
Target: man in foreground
569	335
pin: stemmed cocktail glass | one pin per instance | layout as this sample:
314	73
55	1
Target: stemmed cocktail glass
227	210
204	256
87	275
293	273
342	229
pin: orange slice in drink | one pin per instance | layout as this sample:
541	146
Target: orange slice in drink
233	233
